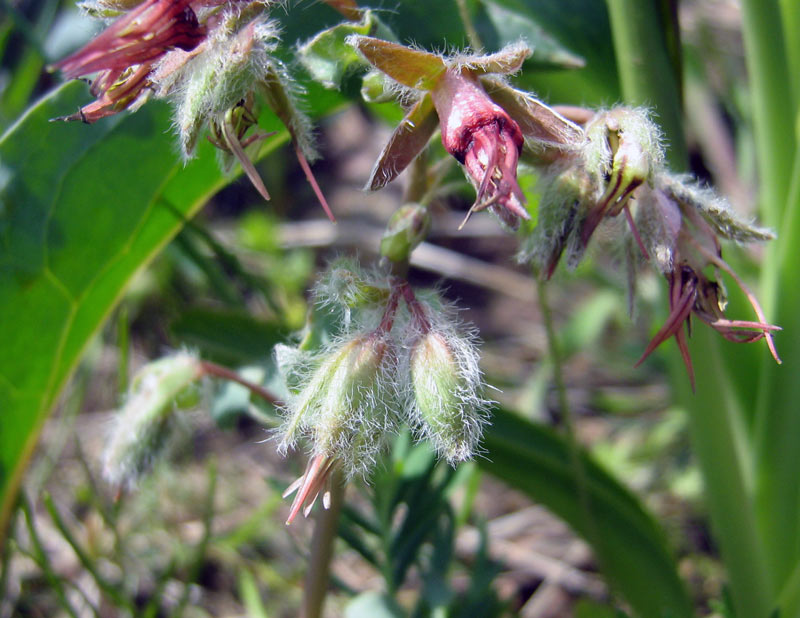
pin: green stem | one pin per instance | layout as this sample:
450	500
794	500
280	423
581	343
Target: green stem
566	418
325	533
646	73
790	12
771	96
725	457
777	422
123	348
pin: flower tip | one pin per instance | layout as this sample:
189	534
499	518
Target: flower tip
771	345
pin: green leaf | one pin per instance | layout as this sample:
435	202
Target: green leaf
328	58
514	25
82	210
629	545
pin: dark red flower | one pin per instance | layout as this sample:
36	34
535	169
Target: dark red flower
138	37
484	138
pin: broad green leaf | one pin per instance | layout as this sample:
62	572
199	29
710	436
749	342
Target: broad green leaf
582	26
82	210
628	544
327	56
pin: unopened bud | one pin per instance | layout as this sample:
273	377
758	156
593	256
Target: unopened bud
565	194
406	229
623	143
447	408
376	89
141	428
232	64
623	151
342	408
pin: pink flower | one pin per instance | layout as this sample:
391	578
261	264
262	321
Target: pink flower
484	138
138	37
125	53
483	120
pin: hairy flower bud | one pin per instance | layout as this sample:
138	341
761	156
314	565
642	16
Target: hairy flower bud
141	428
565	193
405	230
342	407
446	406
223	75
346	284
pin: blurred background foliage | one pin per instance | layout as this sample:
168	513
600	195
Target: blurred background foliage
112	252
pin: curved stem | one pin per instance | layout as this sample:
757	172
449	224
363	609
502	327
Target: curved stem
219	371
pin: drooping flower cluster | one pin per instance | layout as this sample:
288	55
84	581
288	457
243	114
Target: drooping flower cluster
671	221
389	363
396	356
612	165
212	58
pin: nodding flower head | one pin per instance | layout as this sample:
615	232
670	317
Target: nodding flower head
126	52
484	121
140	36
141	428
215	70
677	226
483	137
349	397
